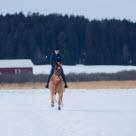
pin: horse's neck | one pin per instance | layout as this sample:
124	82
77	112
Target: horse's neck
57	72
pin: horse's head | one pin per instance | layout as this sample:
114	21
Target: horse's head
58	66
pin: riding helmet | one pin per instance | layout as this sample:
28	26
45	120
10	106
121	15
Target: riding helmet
56	49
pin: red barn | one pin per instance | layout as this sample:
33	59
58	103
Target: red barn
16	66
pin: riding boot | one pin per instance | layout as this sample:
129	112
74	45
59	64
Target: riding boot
47	85
51	73
65	86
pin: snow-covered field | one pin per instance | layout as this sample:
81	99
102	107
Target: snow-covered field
45	69
100	112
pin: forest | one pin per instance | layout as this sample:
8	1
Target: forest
81	41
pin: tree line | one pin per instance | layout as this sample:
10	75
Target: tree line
96	42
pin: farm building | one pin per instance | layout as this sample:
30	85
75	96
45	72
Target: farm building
16	66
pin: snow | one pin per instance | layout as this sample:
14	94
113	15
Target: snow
16	63
45	69
94	112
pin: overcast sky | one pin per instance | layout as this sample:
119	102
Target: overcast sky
92	9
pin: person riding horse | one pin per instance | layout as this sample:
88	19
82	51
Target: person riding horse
56	57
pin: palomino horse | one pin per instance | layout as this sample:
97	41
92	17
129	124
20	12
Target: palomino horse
56	85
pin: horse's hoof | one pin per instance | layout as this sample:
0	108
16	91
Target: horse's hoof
59	108
52	105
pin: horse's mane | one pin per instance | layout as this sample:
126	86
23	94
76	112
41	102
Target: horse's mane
57	69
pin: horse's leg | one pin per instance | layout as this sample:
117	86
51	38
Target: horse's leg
52	99
59	101
55	100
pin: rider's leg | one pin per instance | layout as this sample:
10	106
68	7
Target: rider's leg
51	73
64	78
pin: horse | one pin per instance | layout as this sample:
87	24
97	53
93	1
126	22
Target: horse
56	85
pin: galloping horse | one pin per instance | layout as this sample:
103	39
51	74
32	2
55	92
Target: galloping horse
56	85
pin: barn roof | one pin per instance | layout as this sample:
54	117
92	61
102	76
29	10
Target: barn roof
16	63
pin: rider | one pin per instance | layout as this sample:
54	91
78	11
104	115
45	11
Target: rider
56	57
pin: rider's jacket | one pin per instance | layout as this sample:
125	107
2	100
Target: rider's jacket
55	58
